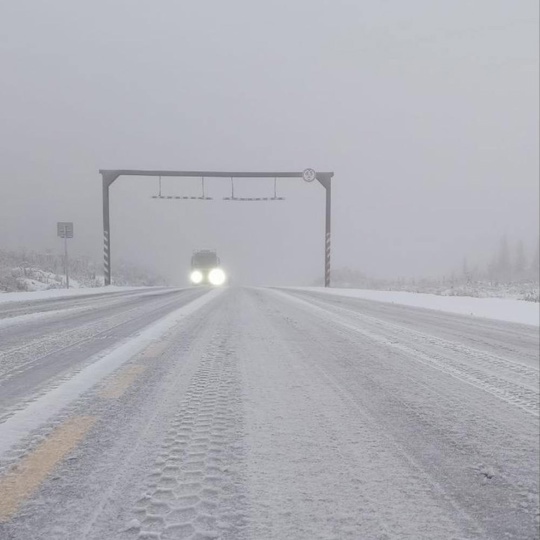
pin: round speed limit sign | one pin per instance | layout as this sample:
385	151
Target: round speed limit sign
309	175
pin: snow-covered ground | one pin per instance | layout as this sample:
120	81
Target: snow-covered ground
29	296
502	309
266	414
34	278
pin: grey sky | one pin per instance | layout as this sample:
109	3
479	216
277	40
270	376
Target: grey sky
427	111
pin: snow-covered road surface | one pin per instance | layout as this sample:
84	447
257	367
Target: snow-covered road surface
36	348
266	414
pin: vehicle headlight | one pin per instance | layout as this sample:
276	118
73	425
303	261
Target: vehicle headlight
196	277
217	276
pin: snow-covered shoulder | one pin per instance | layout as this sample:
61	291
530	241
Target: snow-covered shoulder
30	296
502	309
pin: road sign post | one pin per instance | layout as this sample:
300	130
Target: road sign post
65	230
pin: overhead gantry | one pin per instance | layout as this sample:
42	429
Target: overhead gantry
309	175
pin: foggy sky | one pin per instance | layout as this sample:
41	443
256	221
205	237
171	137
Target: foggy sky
427	112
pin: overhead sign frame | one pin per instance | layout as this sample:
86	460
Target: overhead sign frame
309	175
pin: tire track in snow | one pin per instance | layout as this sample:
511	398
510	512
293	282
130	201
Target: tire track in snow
194	489
522	394
321	467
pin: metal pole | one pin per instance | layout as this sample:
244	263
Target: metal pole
106	234
328	236
66	261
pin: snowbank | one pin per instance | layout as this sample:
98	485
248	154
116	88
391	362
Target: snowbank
30	296
502	309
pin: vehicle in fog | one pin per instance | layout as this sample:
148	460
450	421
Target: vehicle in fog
206	268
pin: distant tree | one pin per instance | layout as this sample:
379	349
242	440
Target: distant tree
467	273
535	262
492	270
520	261
504	266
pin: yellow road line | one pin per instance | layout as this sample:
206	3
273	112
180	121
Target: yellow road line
23	480
121	381
156	349
115	387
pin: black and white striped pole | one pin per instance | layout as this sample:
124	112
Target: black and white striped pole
325	179
328	243
108	179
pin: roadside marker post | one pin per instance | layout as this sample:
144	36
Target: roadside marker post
64	229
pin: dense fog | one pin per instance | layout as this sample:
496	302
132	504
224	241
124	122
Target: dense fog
427	112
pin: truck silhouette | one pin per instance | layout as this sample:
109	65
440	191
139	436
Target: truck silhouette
206	268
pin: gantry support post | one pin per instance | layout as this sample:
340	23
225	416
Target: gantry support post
328	243
108	179
326	181
106	235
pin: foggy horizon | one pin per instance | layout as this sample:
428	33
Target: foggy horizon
427	113
197	367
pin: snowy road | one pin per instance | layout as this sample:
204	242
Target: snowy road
264	414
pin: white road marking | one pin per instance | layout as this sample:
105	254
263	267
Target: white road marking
44	408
